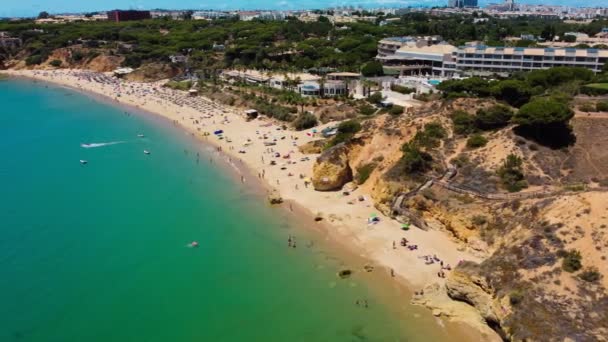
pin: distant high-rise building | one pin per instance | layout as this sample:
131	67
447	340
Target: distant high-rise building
510	4
462	3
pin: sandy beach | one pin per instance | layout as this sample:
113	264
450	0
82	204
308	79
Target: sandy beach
243	145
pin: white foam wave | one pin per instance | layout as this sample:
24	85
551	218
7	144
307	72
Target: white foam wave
93	145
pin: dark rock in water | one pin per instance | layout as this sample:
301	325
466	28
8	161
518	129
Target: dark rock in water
318	218
368	268
345	273
275	197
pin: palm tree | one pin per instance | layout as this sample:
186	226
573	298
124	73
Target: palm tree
302	101
368	85
322	86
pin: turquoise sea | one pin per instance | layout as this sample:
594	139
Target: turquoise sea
99	252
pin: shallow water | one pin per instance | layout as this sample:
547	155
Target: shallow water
99	252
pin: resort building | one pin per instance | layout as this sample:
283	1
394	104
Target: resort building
343	76
446	60
388	46
291	80
248	76
304	83
435	60
210	15
510	59
118	15
327	88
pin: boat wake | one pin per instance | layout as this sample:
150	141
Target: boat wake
93	145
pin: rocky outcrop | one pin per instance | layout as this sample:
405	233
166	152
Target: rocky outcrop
435	298
153	72
274	197
332	170
105	63
312	147
465	285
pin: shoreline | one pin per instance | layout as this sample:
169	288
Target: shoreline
344	224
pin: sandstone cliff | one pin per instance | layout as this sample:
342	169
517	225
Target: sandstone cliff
331	169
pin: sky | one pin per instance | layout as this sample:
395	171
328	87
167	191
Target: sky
21	8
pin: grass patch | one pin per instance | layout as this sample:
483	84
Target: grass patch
364	171
476	141
603	86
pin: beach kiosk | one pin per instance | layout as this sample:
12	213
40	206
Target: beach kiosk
251	114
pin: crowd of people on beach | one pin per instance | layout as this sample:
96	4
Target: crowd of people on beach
208	117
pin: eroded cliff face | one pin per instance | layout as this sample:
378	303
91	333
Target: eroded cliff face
153	72
75	58
467	285
521	288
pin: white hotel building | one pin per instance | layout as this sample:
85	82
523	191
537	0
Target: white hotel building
446	60
510	59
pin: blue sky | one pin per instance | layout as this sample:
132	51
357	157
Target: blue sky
9	8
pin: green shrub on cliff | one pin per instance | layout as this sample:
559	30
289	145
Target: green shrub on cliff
591	275
476	141
431	136
511	173
572	260
305	121
415	160
364	171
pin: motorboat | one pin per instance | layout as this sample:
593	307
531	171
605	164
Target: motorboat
140	135
146	152
194	244
83	162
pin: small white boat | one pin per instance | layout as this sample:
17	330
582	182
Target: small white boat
83	162
140	135
146	152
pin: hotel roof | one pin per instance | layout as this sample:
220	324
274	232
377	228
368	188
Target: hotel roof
534	51
440	49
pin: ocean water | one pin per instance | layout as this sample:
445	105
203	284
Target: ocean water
99	252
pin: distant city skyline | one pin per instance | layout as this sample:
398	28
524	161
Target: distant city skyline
25	8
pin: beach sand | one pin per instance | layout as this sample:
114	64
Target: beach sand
347	222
